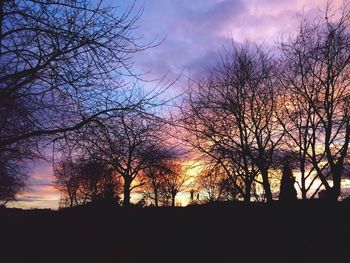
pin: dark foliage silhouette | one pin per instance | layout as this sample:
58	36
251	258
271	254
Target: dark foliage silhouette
287	189
61	67
315	77
12	180
254	106
86	181
158	171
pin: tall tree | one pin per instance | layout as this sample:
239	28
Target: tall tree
317	77
61	67
230	116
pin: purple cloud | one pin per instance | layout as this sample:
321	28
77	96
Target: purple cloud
191	31
195	31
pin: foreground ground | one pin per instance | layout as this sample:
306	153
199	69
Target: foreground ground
302	232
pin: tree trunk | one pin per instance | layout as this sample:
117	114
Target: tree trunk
126	200
71	199
332	193
156	197
266	185
303	180
173	200
336	185
247	194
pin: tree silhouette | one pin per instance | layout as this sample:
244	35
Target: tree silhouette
61	68
12	180
173	182
230	116
122	141
157	166
67	181
316	77
287	190
86	181
215	185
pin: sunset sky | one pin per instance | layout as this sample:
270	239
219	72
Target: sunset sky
194	33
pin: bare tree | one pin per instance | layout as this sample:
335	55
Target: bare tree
55	55
317	77
98	182
67	181
155	170
231	117
173	181
12	179
86	181
120	140
61	67
215	185
210	182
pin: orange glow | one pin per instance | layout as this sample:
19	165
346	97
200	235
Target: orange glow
40	196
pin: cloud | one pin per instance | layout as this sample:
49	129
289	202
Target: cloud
40	192
196	30
192	32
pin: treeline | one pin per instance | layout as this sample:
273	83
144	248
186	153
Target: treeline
261	124
262	111
127	152
64	65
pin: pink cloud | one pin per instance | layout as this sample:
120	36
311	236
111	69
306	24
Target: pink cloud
194	30
40	192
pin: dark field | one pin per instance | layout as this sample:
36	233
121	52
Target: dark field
302	232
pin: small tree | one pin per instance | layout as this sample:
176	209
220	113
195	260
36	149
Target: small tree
12	180
215	184
173	181
121	141
67	181
287	189
155	170
86	181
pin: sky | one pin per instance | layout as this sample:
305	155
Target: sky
196	31
191	34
